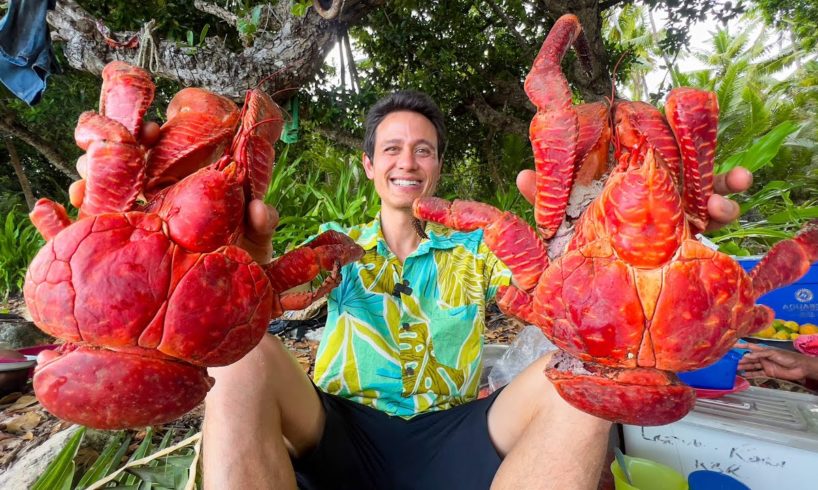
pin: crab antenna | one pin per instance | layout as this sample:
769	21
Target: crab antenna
274	74
263	121
613	75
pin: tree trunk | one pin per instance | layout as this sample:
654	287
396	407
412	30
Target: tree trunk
21	176
294	46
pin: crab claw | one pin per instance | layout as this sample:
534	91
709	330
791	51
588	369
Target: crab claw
49	218
329	251
84	385
639	396
510	238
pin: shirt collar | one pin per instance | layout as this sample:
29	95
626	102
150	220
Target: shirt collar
440	238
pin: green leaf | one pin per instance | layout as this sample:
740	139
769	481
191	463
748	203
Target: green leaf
763	150
256	15
59	474
110	456
163	475
190	38
203	34
141	451
793	215
299	9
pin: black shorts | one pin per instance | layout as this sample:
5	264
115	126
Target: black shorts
364	448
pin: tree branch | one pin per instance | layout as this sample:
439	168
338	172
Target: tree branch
299	45
11	127
346	139
25	185
510	26
490	117
215	10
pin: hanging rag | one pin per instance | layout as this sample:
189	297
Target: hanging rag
26	55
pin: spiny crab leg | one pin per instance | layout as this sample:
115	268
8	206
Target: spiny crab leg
261	125
787	261
49	218
127	92
327	252
593	141
113	166
693	115
199	127
637	122
511	239
554	128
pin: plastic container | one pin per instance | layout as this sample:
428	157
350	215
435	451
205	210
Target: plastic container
797	301
721	375
712	480
647	475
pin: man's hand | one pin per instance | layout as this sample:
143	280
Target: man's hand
777	363
259	226
722	210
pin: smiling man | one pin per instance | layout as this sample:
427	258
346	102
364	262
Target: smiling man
393	400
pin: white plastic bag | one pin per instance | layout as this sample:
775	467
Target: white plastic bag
530	345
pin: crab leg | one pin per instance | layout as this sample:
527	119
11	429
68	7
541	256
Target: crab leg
787	261
327	252
199	127
49	218
593	141
693	115
113	166
127	92
261	126
637	122
511	239
554	129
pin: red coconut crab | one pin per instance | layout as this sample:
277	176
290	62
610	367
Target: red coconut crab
149	293
633	298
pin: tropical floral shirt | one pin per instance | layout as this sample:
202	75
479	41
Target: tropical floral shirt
418	350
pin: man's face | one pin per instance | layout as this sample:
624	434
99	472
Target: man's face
405	164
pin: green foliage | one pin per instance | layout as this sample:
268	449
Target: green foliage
59	474
300	7
19	242
766	125
799	17
323	184
151	466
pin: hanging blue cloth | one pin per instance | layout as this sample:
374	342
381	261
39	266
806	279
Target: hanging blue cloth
26	55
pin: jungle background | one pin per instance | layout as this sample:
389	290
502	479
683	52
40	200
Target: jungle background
471	56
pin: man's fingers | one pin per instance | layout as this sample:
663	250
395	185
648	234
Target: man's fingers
82	166
150	133
76	193
262	218
738	179
527	183
722	211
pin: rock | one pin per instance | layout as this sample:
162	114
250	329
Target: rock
24	472
17	332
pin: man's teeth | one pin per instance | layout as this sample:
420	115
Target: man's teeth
405	183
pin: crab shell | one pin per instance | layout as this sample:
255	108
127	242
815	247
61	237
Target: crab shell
147	297
632	299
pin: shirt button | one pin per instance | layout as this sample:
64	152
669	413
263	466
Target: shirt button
405	326
410	371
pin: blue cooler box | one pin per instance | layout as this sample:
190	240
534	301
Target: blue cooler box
797	302
721	375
